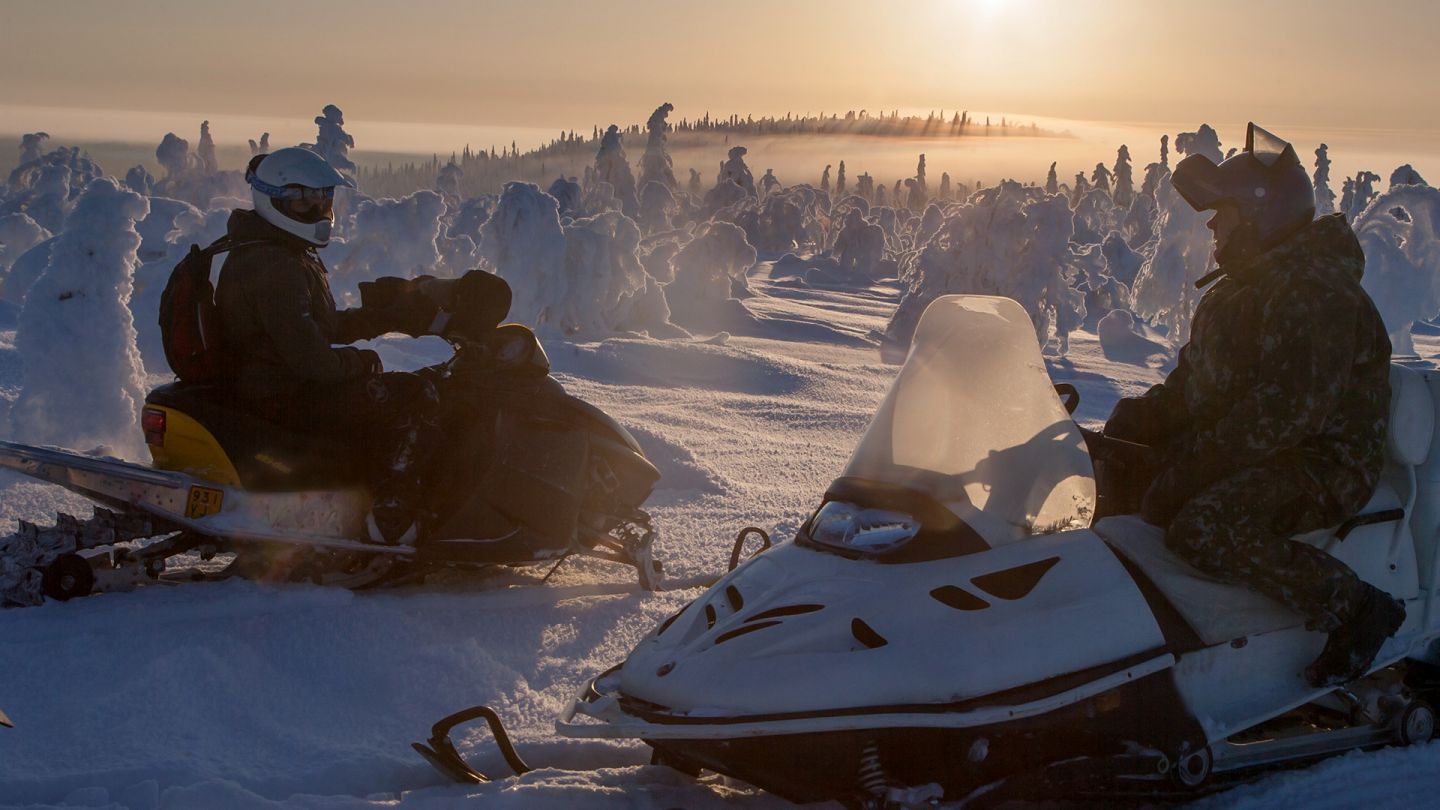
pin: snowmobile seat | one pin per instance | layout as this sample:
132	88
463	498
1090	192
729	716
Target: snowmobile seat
267	456
1218	612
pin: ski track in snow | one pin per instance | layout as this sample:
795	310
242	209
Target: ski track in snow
241	695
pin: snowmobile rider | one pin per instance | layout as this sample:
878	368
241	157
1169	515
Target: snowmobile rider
279	321
1273	422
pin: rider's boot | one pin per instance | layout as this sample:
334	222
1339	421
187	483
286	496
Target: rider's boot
1352	646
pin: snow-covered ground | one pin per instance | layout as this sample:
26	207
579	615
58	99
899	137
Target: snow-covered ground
240	695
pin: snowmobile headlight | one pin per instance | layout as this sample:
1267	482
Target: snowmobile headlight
845	526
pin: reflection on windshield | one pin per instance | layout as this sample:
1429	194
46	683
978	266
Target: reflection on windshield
973	420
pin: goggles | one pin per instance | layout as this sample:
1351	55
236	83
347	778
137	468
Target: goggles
306	193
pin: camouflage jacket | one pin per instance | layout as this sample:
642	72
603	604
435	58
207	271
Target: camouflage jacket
1288	362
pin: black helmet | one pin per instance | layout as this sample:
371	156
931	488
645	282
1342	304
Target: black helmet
1266	183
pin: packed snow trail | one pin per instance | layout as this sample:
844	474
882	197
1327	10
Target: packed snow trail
241	695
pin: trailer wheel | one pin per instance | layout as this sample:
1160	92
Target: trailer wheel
1417	724
67	577
1194	768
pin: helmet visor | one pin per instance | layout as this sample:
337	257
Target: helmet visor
305	204
1197	180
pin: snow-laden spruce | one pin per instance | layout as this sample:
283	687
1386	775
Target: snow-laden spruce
18	233
581	280
1008	240
389	238
83	380
1164	290
1400	232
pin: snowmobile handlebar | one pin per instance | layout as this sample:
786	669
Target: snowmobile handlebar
1069	396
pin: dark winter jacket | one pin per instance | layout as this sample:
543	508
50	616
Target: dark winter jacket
1288	362
278	317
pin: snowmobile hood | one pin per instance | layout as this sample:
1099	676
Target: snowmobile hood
800	632
948	564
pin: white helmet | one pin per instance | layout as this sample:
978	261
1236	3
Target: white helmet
294	190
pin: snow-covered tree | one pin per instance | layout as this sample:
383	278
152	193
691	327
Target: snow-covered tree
611	166
1100	178
918	194
735	171
525	244
84	381
567	194
768	182
333	142
1406	176
606	287
391	238
1203	141
1007	240
1359	191
140	181
173	154
1164	290
658	208
708	271
449	180
655	164
205	150
18	233
860	246
30	146
1124	190
1324	197
1400	233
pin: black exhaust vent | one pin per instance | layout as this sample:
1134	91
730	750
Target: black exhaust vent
1017	582
787	610
665	625
740	631
733	594
709	616
958	598
865	634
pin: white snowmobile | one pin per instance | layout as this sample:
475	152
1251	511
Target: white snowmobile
528	474
949	628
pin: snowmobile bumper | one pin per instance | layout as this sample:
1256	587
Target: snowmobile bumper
600	710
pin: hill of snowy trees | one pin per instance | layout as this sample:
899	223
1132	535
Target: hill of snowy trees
625	246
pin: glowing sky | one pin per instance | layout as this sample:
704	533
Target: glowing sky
550	64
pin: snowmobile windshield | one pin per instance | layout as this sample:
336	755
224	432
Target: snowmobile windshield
973	422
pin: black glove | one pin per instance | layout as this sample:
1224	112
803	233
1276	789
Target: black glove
370	362
479	301
1131	420
395	304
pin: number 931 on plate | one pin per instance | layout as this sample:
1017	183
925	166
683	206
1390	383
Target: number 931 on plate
203	501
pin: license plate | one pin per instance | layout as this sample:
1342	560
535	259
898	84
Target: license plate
203	501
